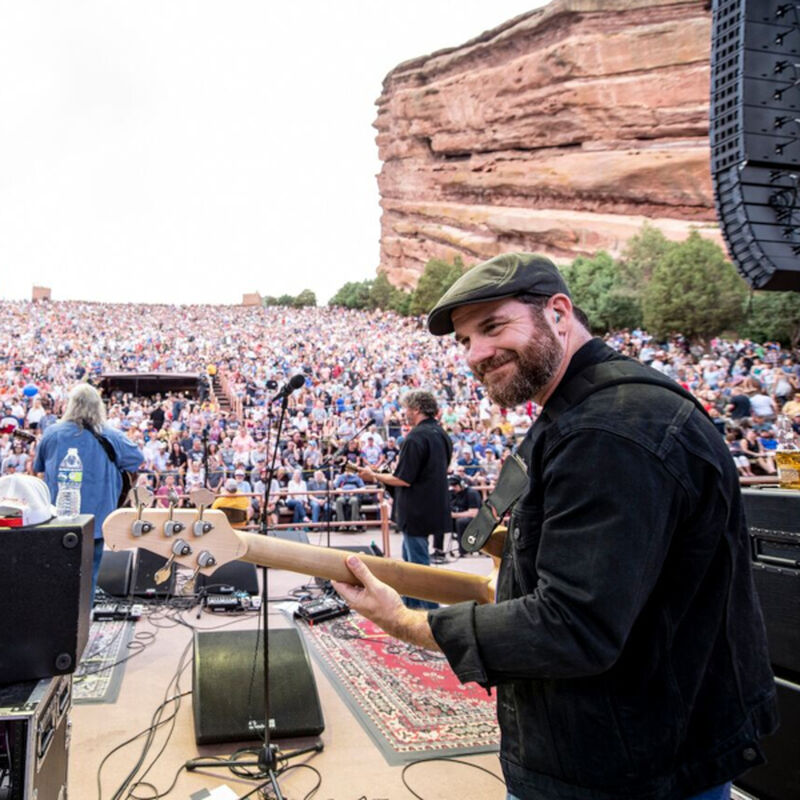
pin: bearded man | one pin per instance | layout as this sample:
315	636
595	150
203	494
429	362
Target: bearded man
626	642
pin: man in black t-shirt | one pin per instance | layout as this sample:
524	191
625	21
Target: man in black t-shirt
738	407
464	504
419	482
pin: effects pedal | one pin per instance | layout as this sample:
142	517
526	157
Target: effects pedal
103	612
321	608
238	601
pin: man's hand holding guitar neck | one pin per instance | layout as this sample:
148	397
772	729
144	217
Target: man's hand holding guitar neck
382	604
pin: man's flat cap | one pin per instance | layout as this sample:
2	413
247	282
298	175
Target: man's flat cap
502	276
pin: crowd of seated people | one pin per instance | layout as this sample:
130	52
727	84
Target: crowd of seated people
357	365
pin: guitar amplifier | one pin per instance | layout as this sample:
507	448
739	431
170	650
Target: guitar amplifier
773	520
47	576
34	739
779	778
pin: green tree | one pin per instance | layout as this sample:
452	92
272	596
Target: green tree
693	290
269	300
380	295
305	298
773	316
285	300
387	297
642	254
437	277
354	294
401	302
596	287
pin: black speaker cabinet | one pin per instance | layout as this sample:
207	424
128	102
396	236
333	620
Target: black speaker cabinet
44	613
34	731
773	519
144	582
228	687
755	139
116	573
779	778
236	576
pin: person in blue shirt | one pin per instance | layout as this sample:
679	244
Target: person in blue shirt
83	420
348	506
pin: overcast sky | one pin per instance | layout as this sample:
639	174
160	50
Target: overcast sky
188	151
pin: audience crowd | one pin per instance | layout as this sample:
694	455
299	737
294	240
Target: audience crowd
357	365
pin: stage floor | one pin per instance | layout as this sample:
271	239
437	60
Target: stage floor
350	766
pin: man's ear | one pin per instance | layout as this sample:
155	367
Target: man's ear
560	305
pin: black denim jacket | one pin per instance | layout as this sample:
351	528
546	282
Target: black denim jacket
627	644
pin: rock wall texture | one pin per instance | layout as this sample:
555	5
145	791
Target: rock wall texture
560	131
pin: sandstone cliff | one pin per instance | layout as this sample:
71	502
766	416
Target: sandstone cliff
559	131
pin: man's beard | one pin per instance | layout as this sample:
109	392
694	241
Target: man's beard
536	364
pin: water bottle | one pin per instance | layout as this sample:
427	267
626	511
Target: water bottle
70	477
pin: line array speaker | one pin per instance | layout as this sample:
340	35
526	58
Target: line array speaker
755	137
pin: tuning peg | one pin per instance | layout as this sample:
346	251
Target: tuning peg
141	526
201	527
172	526
204	559
180	548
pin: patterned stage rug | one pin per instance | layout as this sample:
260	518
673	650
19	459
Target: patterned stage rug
99	674
408	699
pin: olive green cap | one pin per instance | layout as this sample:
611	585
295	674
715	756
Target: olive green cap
507	275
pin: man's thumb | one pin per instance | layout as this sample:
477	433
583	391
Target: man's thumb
359	569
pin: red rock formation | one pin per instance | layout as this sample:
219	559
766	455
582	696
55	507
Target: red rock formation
561	131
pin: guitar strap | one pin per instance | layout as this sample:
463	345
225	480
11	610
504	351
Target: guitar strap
512	482
112	457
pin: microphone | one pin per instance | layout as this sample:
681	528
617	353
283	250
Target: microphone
295	382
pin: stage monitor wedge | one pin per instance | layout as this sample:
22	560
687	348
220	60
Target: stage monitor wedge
228	686
755	137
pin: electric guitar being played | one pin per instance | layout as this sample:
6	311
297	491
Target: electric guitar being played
203	540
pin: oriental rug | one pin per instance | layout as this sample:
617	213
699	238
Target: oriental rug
407	699
99	674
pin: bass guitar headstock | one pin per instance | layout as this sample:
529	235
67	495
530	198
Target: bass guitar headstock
200	539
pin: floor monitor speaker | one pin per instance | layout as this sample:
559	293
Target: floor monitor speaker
144	583
236	576
291	535
115	577
228	687
45	611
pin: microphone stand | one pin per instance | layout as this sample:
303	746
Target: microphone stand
269	754
330	462
205	456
